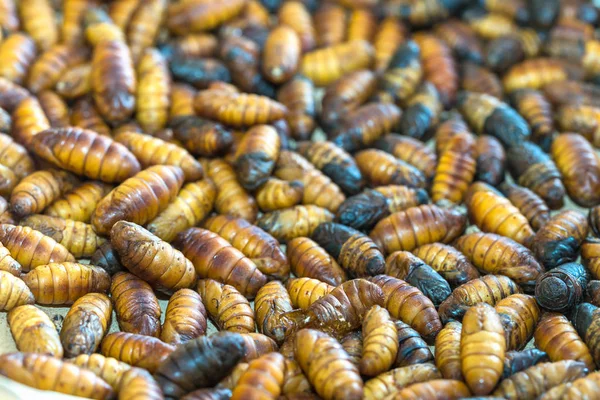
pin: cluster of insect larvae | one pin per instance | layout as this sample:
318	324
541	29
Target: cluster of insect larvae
365	199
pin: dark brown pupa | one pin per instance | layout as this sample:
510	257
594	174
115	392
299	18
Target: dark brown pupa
355	251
